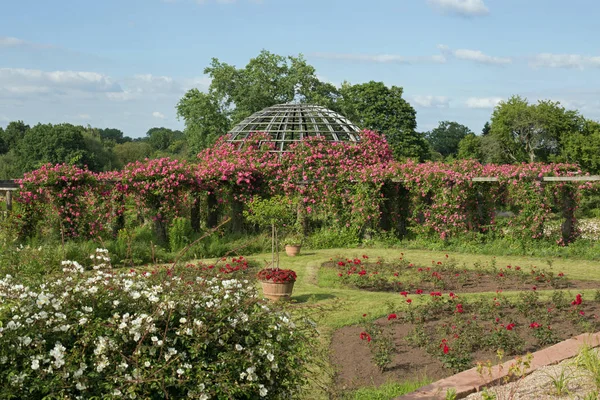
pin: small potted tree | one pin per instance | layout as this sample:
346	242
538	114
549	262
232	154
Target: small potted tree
293	242
274	212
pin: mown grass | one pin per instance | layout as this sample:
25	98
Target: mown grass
321	288
386	391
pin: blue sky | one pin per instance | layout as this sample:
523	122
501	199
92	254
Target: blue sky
126	63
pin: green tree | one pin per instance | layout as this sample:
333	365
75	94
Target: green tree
129	152
486	129
162	138
204	119
47	143
532	132
583	147
113	135
375	106
99	156
14	133
236	93
3	146
9	166
470	148
445	138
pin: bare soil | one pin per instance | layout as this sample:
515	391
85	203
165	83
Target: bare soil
351	356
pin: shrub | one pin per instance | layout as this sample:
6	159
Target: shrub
168	333
180	233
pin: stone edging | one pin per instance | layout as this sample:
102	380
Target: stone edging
471	381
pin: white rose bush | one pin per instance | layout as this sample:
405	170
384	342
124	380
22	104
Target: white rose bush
170	333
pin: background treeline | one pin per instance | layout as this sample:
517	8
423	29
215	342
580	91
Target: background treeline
518	131
24	148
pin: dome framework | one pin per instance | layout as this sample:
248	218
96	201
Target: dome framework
291	123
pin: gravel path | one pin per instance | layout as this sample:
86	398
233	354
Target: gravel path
539	385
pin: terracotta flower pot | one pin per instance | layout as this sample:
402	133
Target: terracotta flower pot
277	291
292	250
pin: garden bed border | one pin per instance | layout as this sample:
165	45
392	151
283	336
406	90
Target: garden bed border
470	381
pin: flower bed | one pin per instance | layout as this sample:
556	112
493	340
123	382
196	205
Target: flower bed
441	333
176	332
403	276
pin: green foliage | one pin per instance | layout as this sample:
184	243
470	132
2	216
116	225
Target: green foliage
588	360
583	147
180	233
162	138
377	107
278	210
445	139
334	238
386	391
470	148
532	132
112	135
3	145
129	152
9	166
14	133
100	156
204	118
54	144
560	381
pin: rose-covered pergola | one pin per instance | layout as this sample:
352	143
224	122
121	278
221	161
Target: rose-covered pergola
352	183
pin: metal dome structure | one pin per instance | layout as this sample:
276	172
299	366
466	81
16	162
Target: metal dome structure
290	123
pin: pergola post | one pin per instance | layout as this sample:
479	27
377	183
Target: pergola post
119	217
8	200
212	211
195	213
568	211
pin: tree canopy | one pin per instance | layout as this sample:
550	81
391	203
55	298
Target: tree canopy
236	93
446	137
532	132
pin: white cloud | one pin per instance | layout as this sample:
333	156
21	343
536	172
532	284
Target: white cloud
473	55
483	102
431	101
31	81
465	8
578	61
154	86
158	115
381	58
478	56
7	41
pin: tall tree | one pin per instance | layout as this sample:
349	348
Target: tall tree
583	147
235	94
162	138
14	133
375	106
486	129
532	132
205	119
470	148
113	135
3	146
445	138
